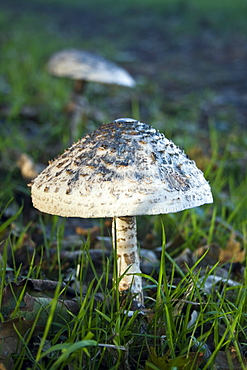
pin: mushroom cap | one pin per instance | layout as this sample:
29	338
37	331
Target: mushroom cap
124	168
83	65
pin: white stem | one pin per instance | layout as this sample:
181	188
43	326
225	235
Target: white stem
124	229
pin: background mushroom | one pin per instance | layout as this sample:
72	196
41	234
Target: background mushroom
83	66
123	169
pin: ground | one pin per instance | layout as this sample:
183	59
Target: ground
189	61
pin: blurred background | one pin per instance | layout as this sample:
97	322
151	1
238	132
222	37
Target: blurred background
188	59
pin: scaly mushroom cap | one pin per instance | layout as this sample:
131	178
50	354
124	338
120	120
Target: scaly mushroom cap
124	168
82	65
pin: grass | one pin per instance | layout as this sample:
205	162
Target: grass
101	335
80	324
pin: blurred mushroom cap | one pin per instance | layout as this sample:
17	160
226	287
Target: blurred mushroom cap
83	65
124	168
28	168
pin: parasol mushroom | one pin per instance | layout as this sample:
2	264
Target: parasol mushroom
123	169
83	66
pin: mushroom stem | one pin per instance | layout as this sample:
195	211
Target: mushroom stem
79	86
77	109
128	260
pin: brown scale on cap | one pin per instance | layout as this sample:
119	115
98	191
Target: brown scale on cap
116	160
124	168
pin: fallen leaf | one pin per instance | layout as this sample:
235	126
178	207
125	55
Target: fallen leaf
92	232
2	366
233	251
229	359
40	306
9	339
37	296
161	362
211	257
186	362
184	258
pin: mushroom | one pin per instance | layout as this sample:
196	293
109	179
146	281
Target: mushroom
29	170
121	170
83	66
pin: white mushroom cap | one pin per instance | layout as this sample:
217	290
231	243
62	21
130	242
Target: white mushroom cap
124	168
83	65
